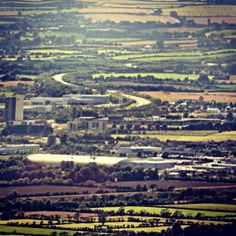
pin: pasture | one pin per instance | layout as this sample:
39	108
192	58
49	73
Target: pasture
32	231
173	76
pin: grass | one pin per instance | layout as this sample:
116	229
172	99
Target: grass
158	210
23	221
207	206
173	76
4	157
31	231
176	136
165	56
6	94
53	51
147	229
92	225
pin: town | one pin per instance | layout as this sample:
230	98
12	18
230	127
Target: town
118	117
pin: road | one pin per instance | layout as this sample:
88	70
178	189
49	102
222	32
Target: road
59	78
139	101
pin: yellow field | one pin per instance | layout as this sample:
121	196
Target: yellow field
204	10
175	136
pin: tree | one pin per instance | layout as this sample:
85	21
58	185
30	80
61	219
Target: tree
102	217
176	230
203	78
230	116
158	11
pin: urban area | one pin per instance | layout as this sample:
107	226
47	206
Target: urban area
118	117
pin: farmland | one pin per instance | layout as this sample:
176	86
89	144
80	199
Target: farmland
128	121
209	96
158	210
143	74
186	136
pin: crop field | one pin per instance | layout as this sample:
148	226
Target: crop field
208	96
217	137
144	74
158	210
15	83
62	214
204	10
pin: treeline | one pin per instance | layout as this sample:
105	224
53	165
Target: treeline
221	2
18	171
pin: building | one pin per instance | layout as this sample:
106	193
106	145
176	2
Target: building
87	99
28	127
141	151
56	159
159	164
14	108
71	99
18	149
88	123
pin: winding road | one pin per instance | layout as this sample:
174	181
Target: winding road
139	101
59	78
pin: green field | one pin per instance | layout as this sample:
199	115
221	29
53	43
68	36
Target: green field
173	76
54	51
181	136
23	221
158	210
32	231
207	206
92	225
148	229
166	56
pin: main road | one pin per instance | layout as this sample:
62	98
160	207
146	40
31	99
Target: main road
139	101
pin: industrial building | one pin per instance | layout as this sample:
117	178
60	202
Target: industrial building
56	159
71	99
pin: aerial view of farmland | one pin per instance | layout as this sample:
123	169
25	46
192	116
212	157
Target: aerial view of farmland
118	117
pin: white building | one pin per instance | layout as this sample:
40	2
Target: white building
88	123
18	149
71	99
